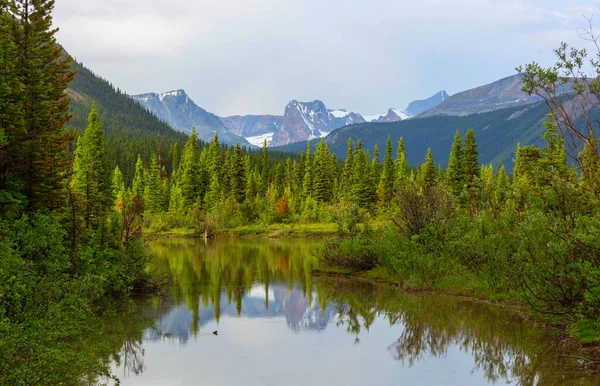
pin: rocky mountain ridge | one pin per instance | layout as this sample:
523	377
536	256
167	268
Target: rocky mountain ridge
181	113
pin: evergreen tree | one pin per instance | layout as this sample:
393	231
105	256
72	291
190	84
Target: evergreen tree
322	185
238	175
139	182
118	186
307	182
45	75
189	177
428	171
214	161
554	163
155	198
12	124
347	173
388	175
527	165
471	164
264	168
176	200
455	173
91	173
175	157
364	192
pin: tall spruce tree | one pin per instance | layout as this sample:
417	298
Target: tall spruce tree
155	197
189	169
347	173
307	182
455	173
471	166
139	181
428	171
555	157
12	124
322	185
388	175
91	173
118	186
238	175
45	75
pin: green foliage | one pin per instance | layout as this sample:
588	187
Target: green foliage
455	172
91	173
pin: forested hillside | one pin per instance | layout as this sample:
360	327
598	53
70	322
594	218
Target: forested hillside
498	134
130	129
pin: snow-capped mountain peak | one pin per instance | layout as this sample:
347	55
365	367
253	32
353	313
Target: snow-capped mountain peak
392	115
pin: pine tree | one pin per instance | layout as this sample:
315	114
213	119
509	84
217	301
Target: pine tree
388	175
264	168
322	185
347	173
12	124
402	171
527	165
139	182
155	198
471	166
554	161
175	157
176	200
214	161
364	192
307	182
238	175
428	171
45	76
189	177
455	173
91	173
118	186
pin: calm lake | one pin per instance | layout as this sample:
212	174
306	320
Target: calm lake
277	325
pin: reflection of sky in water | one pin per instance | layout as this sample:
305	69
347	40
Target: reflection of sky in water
174	325
367	335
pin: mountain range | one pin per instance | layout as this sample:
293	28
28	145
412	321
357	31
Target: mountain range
301	121
499	112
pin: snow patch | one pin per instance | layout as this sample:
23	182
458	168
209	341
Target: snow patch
401	114
371	118
258	140
339	113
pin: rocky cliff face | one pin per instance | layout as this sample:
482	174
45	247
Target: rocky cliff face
180	112
303	121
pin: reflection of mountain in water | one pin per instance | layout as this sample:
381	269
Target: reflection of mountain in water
302	312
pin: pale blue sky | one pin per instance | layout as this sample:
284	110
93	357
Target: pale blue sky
254	56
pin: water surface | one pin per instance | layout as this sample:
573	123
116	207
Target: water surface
277	325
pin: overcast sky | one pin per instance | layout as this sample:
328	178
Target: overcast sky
254	56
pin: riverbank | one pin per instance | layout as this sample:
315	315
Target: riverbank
309	230
466	288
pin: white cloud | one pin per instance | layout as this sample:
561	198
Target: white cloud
241	56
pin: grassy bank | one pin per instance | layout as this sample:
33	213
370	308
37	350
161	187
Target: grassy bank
293	230
524	264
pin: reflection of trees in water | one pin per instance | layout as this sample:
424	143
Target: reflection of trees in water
503	346
132	354
201	273
118	338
